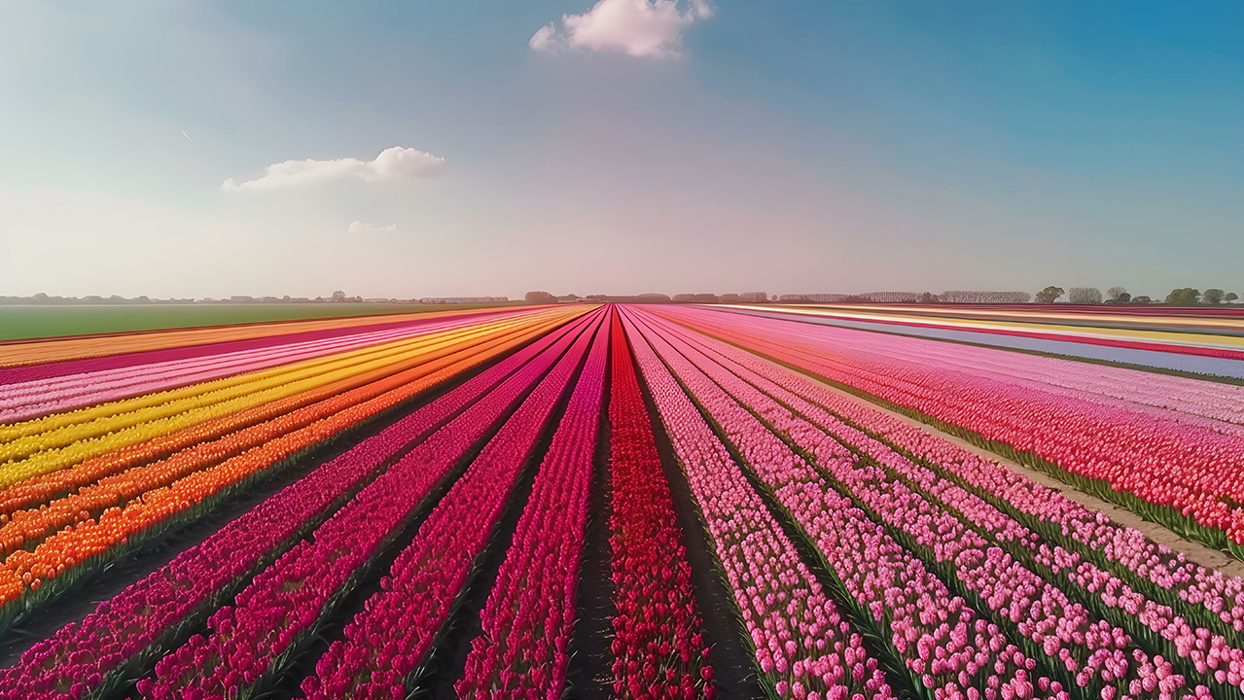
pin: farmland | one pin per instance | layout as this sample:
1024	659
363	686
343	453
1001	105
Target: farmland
625	501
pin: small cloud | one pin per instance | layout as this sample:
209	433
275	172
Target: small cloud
395	163
545	39
641	28
358	228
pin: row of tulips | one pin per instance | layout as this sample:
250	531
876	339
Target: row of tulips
951	650
1209	404
388	641
1213	600
527	620
25	528
30	399
1162	464
39	490
803	646
262	630
78	551
1160	627
125	635
1190	347
658	645
945	531
43	445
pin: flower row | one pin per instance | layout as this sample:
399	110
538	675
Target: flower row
658	645
1197	592
1210	653
527	620
1101	657
64	439
249	639
1166	464
28	527
392	636
92	542
30	399
126	633
802	645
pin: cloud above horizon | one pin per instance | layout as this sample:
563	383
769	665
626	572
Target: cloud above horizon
396	163
358	228
640	28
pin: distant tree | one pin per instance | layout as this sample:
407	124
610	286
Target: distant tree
339	296
1084	295
1213	296
539	298
1231	296
1183	297
754	297
1117	295
1049	295
928	298
1142	299
568	297
729	298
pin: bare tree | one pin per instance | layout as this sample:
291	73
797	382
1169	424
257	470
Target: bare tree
1084	295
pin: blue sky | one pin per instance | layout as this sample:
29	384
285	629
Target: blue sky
782	146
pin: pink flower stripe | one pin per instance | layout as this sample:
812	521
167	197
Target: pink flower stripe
658	647
1192	468
130	630
248	639
804	648
388	640
954	652
1210	653
530	612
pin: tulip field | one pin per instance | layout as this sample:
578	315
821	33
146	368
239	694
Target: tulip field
611	501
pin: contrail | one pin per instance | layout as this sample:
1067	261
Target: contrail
183	133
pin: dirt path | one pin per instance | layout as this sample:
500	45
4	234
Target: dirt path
1195	551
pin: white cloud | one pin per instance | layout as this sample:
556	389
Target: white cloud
642	28
545	39
358	228
395	163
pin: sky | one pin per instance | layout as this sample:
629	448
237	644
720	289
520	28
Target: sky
188	148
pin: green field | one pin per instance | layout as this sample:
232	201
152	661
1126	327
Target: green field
46	321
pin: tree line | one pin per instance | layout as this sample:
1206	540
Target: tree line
1187	296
